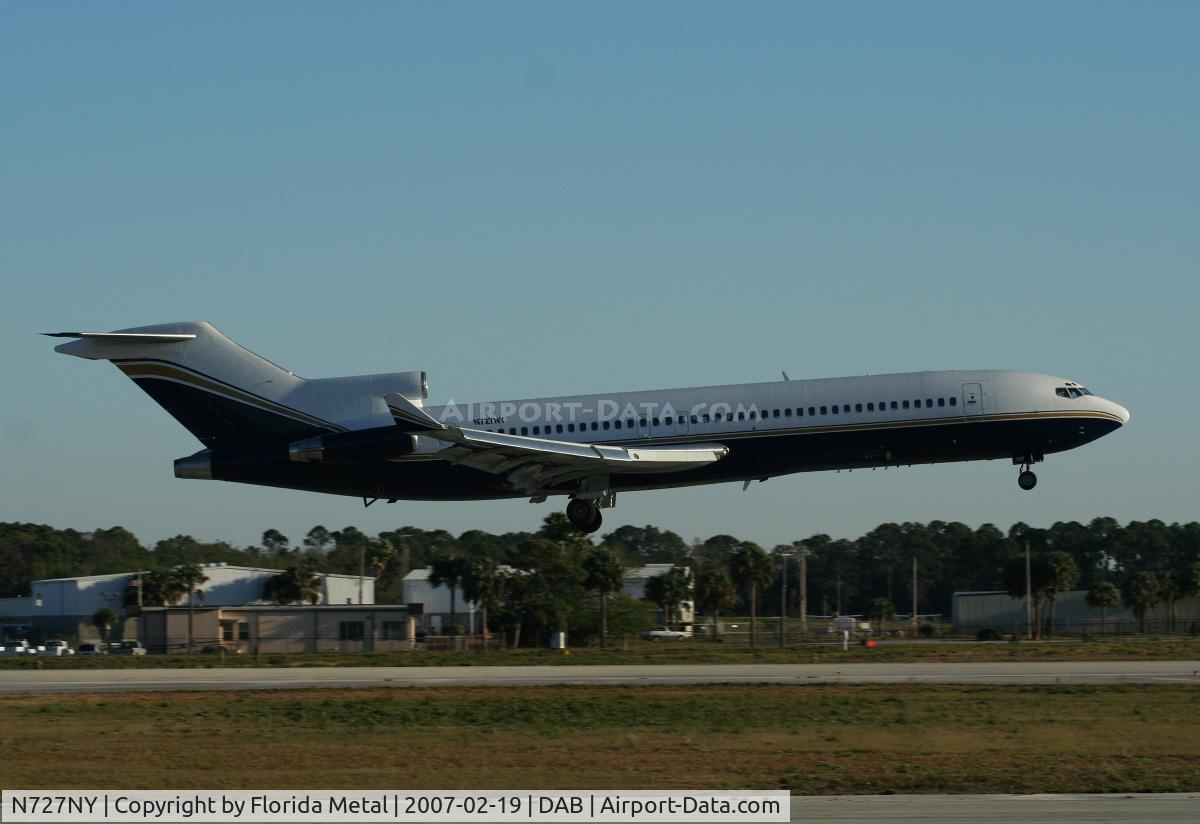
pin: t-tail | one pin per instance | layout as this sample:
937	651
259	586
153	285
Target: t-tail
227	396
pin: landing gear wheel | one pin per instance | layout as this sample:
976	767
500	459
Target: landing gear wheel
583	514
1027	480
594	523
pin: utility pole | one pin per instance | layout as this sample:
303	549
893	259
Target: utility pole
782	598
1028	593
914	594
803	593
362	568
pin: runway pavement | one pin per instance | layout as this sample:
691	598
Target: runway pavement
138	679
1159	808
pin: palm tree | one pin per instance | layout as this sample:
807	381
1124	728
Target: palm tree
1142	592
882	610
1183	582
716	592
670	591
295	584
754	569
103	619
187	578
606	575
448	570
483	583
1064	572
1103	594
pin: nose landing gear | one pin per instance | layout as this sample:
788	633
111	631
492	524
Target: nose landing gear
1026	479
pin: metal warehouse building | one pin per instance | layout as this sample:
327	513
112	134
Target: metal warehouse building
65	606
973	611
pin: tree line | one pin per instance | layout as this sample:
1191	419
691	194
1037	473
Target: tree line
1145	563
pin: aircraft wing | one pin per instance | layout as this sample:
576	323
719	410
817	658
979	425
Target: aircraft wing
531	464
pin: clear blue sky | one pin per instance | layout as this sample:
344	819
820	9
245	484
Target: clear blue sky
527	199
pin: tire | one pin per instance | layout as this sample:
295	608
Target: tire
594	524
581	513
1027	480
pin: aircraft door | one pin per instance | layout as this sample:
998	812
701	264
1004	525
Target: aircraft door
681	422
972	399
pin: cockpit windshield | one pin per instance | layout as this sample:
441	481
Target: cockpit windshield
1071	391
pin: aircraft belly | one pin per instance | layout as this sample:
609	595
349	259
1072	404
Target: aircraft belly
757	455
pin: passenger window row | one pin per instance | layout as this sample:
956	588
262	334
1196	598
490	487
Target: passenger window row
719	417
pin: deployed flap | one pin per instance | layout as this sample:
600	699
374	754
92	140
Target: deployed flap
532	464
409	416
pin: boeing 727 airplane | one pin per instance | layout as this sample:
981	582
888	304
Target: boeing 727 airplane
374	436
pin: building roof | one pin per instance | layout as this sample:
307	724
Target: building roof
210	566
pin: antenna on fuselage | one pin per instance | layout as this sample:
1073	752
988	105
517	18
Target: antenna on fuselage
785	377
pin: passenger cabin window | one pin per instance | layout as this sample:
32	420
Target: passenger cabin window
570	427
741	416
824	410
655	421
524	430
858	407
941	401
834	409
606	425
906	404
954	401
787	413
558	428
871	407
846	408
812	411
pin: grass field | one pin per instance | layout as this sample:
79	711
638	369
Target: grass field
812	739
668	652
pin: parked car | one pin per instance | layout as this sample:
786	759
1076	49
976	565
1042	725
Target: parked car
56	648
15	648
91	648
664	635
129	648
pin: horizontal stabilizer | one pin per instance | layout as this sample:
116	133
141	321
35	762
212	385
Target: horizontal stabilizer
123	337
410	417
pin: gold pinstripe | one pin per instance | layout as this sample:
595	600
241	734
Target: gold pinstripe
163	371
857	427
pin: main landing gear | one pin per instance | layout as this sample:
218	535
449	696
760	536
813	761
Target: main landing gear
584	514
1026	479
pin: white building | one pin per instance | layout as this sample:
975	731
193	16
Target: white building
65	606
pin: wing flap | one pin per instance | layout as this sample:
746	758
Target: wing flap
532	463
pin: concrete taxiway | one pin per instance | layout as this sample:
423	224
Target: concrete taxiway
232	678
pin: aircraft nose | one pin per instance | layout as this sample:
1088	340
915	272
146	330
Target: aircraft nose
1118	410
